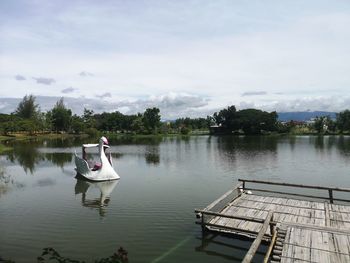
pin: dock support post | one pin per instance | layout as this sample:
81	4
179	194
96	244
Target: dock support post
330	191
202	223
272	230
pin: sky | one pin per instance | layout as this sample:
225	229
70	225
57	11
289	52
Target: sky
189	58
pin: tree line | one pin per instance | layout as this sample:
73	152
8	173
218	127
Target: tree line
30	119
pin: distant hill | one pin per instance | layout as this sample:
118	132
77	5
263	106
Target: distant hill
304	115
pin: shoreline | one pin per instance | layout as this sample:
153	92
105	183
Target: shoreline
52	136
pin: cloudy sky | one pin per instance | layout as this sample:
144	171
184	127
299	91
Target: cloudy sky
186	57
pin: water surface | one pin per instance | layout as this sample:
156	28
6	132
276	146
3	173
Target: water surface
149	211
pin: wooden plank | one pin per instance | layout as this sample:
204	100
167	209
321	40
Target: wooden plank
221	198
319	228
254	247
287	251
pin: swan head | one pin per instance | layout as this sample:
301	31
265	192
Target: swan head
104	141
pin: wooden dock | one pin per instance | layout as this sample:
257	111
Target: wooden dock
297	227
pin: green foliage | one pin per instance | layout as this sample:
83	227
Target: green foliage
8	123
88	118
114	121
227	118
184	130
250	121
61	117
343	121
92	132
77	124
196	123
27	108
137	125
28	119
324	124
29	126
151	120
283	127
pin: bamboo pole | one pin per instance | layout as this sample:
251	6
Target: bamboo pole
254	247
296	185
268	253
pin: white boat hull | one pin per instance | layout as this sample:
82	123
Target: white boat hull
105	173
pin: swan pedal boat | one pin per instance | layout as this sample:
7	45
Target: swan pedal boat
96	171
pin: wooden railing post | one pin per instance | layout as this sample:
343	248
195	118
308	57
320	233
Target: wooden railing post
330	191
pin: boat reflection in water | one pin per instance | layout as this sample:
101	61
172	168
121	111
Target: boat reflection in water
99	203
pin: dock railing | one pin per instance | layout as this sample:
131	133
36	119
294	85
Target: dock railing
330	190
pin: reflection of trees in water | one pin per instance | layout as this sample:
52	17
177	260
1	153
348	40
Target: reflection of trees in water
328	143
249	144
49	254
64	142
246	148
292	141
4	181
106	188
318	142
343	145
117	155
27	155
148	140
59	159
152	155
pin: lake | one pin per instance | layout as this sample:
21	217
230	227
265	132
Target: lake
150	210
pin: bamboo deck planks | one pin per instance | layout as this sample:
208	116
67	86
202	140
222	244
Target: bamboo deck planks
307	231
301	244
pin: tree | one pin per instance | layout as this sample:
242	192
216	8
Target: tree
88	118
27	108
61	116
227	118
137	125
253	121
343	121
77	124
250	121
324	124
151	119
